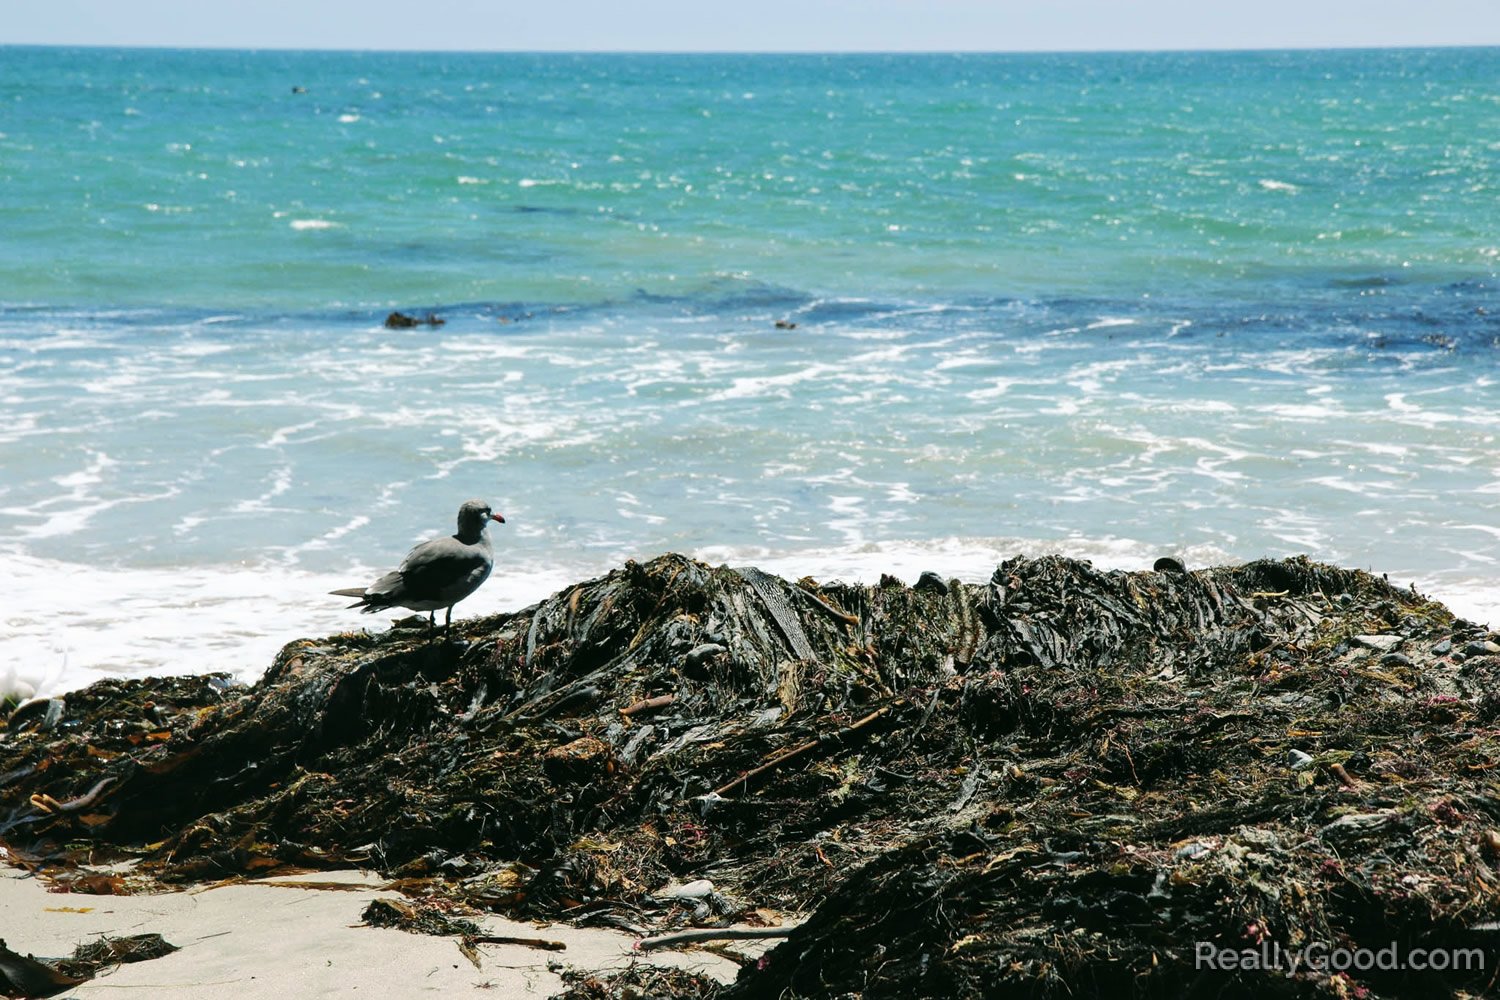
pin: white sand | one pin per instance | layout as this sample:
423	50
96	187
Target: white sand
275	942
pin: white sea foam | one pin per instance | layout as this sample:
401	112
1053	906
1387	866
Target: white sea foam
200	349
1473	599
314	224
68	624
876	445
771	385
971	560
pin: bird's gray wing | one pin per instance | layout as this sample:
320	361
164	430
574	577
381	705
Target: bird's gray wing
389	589
444	569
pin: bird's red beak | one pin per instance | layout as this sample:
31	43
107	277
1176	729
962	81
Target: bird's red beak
498	517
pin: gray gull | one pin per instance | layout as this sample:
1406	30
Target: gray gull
437	573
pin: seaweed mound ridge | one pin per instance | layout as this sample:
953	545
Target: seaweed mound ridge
1063	782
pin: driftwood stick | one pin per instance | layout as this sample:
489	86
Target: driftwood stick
711	934
48	804
798	751
541	943
646	704
826	606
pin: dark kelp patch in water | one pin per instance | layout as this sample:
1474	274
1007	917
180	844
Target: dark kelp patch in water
1064	782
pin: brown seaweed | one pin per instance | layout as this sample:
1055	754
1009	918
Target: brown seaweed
24	976
1055	783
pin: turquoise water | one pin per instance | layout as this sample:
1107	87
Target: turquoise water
1212	305
181	178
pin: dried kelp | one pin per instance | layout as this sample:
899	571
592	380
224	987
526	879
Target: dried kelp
25	976
638	982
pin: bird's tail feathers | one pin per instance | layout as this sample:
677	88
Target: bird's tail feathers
367	602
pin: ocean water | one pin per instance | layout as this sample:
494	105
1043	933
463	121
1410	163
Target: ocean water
1217	306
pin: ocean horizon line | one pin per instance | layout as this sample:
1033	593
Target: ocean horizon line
807	52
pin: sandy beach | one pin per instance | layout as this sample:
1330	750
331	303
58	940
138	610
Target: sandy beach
295	937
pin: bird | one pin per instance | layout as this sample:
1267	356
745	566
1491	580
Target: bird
438	573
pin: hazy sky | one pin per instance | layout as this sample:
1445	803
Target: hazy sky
754	25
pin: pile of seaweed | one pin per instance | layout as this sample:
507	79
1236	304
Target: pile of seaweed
1064	782
24	976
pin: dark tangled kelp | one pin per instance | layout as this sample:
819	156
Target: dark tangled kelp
25	976
1058	783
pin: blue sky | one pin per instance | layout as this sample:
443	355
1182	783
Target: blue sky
756	25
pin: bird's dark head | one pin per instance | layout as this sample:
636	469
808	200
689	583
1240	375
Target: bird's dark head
474	514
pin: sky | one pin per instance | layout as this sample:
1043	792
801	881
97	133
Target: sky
754	25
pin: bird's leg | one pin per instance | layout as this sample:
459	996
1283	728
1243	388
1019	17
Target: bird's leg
431	623
447	621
